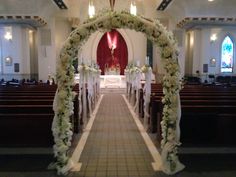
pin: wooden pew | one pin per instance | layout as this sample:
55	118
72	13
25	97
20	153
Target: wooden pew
31	97
22	110
214	105
26	130
26	102
209	125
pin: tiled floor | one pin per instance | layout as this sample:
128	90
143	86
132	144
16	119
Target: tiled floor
115	146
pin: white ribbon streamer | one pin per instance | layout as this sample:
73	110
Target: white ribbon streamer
137	87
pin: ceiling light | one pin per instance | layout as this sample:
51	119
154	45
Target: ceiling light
8	36
210	0
8	33
133	8
91	9
213	37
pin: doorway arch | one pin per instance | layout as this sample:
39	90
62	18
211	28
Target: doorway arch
98	35
63	100
112	58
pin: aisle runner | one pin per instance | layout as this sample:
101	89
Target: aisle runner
115	146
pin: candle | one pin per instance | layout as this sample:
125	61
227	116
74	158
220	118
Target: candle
138	63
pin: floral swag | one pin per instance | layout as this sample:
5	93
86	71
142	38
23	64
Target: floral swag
63	101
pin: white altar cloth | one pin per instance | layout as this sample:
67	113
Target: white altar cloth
116	81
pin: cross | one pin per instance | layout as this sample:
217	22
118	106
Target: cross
112	4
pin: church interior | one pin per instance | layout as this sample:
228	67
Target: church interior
115	88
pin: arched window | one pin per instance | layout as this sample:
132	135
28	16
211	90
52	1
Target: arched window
227	54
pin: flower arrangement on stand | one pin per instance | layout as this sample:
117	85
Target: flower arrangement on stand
135	74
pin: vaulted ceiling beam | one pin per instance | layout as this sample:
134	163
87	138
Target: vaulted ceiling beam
61	4
164	4
191	22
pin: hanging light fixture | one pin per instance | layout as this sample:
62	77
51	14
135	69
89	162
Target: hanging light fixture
133	8
112	4
91	9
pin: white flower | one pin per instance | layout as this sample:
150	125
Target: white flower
162	40
105	21
171	136
167	52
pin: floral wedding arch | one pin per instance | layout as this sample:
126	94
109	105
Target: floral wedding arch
63	101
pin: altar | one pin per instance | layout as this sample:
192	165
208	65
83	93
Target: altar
112	81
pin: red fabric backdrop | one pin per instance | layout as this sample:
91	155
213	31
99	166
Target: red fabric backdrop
104	52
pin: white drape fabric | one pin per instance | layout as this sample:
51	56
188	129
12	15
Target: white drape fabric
82	96
133	79
137	86
146	96
169	146
89	84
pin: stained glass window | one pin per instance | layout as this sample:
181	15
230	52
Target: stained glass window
0	56
227	53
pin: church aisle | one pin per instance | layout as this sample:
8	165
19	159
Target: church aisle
115	146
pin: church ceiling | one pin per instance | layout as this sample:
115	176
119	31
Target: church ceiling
200	13
163	5
61	4
186	13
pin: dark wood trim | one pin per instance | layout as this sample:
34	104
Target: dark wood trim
61	4
164	4
191	22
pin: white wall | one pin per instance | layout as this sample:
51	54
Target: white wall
25	51
46	53
204	49
197	50
89	49
49	54
62	31
18	50
139	45
215	47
